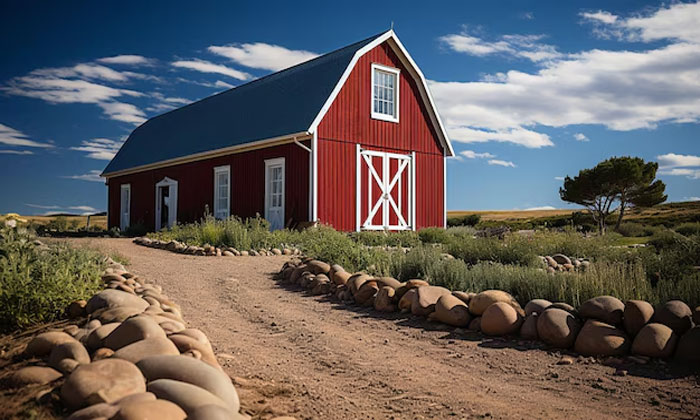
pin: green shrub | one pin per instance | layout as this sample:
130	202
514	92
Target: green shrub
433	235
688	229
37	284
58	223
327	244
466	220
405	238
631	229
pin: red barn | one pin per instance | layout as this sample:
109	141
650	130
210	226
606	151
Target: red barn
351	139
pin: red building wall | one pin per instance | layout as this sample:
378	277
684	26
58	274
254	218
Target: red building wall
349	122
196	186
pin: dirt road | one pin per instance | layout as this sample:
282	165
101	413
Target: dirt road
315	359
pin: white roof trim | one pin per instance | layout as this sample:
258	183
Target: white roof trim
412	68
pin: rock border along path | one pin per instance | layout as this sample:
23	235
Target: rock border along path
294	354
130	356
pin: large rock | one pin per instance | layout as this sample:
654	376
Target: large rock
384	302
158	409
637	314
451	310
33	375
387	281
426	298
139	350
133	330
111	298
319	267
102	381
479	303
365	295
356	281
71	350
557	327
500	318
536	306
213	412
655	340
96	338
95	412
561	259
42	344
118	314
189	345
341	277
406	301
410	284
189	397
676	315
689	346
193	371
597	338
475	324
463	296
528	330
608	309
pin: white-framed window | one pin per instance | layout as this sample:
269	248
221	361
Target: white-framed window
385	93
125	207
222	191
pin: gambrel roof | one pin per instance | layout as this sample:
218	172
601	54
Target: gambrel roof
286	103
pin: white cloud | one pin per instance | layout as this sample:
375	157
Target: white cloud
259	55
220	84
600	16
93	175
56	209
672	160
522	46
687	172
99	148
83	208
501	163
540	208
209	67
621	90
12	137
473	155
121	111
581	137
559	178
166	103
526	16
127	59
16	152
691	198
44	207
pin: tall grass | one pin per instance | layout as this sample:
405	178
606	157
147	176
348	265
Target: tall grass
37	283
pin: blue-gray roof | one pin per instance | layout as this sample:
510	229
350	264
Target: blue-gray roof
278	104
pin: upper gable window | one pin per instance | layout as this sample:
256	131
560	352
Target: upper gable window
385	93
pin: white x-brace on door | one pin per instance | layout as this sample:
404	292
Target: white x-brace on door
385	198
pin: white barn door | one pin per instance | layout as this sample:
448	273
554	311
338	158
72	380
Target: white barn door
385	198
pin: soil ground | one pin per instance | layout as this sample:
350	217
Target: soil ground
313	358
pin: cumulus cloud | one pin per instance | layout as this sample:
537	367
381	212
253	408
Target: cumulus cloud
679	165
259	55
691	198
581	137
499	162
93	176
474	155
540	208
522	46
209	67
127	59
559	178
621	90
99	148
16	152
12	137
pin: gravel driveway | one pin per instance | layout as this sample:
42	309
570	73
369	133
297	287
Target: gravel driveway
312	358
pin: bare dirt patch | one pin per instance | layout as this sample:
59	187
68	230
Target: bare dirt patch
316	359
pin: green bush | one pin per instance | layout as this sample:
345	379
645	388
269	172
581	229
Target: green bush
327	244
37	283
433	235
466	220
688	229
58	223
405	238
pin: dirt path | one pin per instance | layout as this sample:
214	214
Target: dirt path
315	359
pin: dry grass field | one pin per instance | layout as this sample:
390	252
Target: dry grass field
99	221
510	214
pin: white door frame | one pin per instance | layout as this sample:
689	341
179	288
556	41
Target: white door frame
268	164
124	222
226	169
386	184
172	198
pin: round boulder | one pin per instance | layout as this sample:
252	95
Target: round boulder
102	381
463	296
451	310
475	324
356	281
319	267
689	346
111	298
676	315
387	281
95	411
384	302
637	314
133	330
365	295
97	336
410	284
479	303
42	344
557	327
212	412
608	309
655	340
71	350
187	396
536	306
600	339
500	318
158	409
193	371
528	330
341	277
141	349
406	301
426	298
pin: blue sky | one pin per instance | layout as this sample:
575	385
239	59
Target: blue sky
530	91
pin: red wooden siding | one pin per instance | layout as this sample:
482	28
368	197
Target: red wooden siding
196	186
349	122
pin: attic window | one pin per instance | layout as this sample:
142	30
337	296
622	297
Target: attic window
385	93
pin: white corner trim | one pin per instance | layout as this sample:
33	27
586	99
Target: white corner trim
376	115
314	177
444	191
423	86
